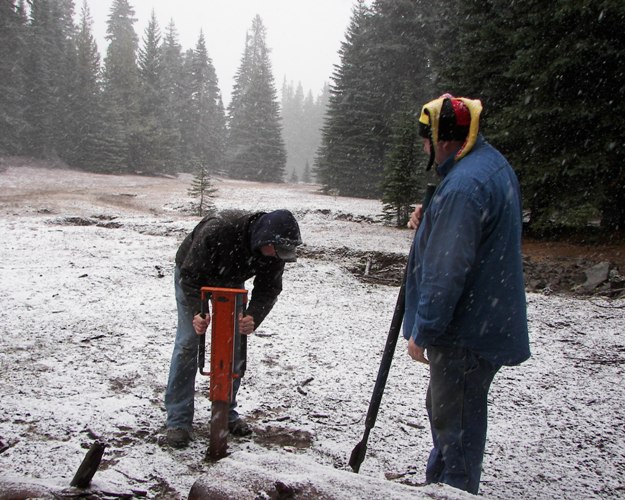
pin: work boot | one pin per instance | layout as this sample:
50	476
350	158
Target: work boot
239	428
178	438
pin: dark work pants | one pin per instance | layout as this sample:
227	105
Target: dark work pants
456	403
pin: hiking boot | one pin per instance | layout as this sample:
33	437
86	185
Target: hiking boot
239	428
178	438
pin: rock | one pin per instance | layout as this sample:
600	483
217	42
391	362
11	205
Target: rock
596	275
276	476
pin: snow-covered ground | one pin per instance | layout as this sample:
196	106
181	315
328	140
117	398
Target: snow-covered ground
87	325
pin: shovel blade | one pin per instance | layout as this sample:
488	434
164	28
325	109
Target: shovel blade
358	456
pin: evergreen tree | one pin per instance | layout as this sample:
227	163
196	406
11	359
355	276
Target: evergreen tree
255	149
340	156
399	55
202	191
576	152
111	144
551	77
65	79
317	121
203	129
302	119
294	126
382	62
12	50
314	110
121	86
85	130
155	148
172	87
401	170
306	176
49	73
446	43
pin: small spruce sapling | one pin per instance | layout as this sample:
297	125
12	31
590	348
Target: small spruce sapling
202	192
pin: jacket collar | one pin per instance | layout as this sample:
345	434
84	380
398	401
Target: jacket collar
444	168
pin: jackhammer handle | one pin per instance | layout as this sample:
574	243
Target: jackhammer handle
201	352
241	343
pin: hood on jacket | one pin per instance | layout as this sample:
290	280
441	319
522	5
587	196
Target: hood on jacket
280	229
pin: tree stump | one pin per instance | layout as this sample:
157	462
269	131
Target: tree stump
89	465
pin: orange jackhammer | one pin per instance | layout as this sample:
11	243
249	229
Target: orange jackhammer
228	358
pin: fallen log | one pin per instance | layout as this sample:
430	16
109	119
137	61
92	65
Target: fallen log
23	489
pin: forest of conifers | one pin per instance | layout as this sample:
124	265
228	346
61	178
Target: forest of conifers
551	76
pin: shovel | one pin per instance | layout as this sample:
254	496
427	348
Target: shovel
360	450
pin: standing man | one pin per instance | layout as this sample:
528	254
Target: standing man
223	251
465	295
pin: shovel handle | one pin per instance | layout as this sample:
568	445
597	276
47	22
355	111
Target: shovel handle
360	450
393	334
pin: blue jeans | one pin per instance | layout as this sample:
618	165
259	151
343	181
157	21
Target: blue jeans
456	403
179	396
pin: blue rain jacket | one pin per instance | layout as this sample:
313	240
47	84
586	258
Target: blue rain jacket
464	282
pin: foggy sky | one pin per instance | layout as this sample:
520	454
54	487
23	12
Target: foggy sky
304	36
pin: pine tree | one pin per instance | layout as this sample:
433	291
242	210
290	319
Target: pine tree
576	151
550	75
203	130
65	79
12	50
340	159
255	149
155	148
111	143
121	87
401	170
294	129
382	62
313	113
172	115
202	191
49	72
302	119
85	129
306	176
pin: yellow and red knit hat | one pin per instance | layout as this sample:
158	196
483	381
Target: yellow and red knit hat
450	118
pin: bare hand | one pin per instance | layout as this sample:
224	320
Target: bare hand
246	324
415	217
200	324
417	353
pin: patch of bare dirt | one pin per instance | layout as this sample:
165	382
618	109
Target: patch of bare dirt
563	267
550	267
30	187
